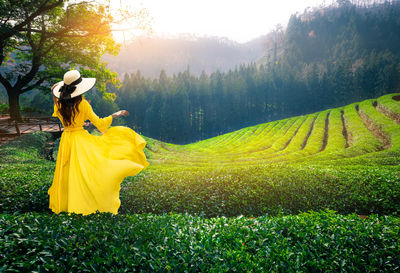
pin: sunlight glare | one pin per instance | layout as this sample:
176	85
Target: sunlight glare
234	19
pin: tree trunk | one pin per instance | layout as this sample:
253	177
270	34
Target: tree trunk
13	100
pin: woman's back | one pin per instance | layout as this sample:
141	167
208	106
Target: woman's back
85	113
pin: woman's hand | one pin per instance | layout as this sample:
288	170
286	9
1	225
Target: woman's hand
53	86
120	113
54	97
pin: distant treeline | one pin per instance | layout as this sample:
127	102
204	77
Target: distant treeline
326	58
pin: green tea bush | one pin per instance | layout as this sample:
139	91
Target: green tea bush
219	177
361	139
25	174
4	108
229	175
298	140
23	187
213	191
336	140
390	104
386	125
26	148
269	189
282	142
310	242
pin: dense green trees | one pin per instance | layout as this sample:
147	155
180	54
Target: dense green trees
184	108
328	57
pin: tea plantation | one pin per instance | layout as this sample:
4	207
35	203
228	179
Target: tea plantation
314	193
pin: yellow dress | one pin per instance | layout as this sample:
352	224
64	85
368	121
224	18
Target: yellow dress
90	169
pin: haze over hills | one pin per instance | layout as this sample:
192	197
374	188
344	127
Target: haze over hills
174	55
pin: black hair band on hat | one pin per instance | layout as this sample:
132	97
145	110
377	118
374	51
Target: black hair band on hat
67	89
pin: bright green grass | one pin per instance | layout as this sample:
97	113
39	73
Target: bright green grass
320	137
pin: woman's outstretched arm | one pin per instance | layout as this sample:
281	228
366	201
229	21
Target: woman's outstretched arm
120	113
103	123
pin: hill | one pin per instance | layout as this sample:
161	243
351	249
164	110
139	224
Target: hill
364	130
254	170
151	55
349	31
318	192
322	160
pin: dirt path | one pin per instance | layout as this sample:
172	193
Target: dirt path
309	133
347	136
5	139
325	139
394	116
375	129
294	134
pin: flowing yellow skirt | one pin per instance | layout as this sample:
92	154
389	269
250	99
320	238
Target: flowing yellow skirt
90	169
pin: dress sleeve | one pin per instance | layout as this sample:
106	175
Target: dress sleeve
101	123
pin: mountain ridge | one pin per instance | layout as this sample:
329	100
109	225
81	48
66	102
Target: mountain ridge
174	55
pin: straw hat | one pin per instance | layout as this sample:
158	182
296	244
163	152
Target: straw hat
73	85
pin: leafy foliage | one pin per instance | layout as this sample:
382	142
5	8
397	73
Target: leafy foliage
62	35
261	190
315	241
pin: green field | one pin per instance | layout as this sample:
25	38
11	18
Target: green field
359	131
319	192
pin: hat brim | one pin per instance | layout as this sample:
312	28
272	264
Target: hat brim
85	85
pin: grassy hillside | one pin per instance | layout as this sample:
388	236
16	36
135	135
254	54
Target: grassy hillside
345	159
368	132
319	192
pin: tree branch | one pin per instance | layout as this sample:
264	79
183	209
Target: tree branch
29	37
6	20
36	84
22	81
5	83
43	8
43	36
45	52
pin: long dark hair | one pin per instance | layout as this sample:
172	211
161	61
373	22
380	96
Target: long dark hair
68	108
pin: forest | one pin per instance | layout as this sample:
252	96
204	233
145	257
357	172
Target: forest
326	57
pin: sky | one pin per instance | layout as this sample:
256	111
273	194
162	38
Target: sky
238	20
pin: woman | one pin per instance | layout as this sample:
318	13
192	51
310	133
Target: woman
90	169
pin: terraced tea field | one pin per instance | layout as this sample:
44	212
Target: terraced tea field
319	193
364	130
